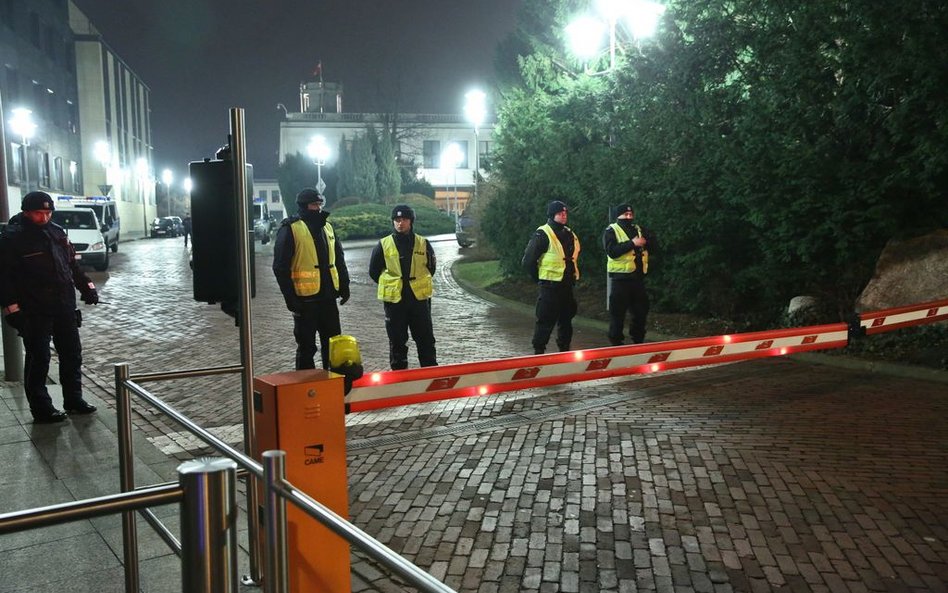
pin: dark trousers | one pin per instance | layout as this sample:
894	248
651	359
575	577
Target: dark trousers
627	295
186	235
556	306
412	315
64	331
320	317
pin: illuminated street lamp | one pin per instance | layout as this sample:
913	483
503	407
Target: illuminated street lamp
166	178
318	150
188	184
585	33
22	125
475	110
451	158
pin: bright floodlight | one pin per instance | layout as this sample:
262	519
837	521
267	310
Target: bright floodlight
141	166
585	37
318	149
102	152
22	123
188	184
475	107
643	16
73	167
167	176
612	9
452	157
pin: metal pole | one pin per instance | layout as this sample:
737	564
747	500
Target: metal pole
239	155
319	174
126	476
208	526
141	184
12	347
274	471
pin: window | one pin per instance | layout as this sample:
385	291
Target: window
262	194
16	151
275	196
431	152
35	30
50	44
6	13
483	147
13	85
74	177
44	170
463	145
58	177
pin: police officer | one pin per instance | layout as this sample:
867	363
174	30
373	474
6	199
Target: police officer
39	276
550	258
310	268
627	246
403	264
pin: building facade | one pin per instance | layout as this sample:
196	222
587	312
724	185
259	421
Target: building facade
90	113
37	56
114	112
420	139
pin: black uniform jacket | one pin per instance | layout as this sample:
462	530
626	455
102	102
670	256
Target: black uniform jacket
615	248
285	248
39	270
538	245
405	243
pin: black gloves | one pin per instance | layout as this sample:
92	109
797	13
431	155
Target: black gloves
17	321
90	296
343	294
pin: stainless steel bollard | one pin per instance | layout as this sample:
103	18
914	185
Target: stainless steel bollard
208	526
274	471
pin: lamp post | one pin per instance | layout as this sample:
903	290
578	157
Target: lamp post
141	170
166	178
475	110
451	158
22	125
318	150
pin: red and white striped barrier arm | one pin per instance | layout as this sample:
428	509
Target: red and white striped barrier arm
398	388
875	322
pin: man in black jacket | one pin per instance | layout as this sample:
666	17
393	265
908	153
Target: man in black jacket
310	268
627	248
403	264
550	259
39	276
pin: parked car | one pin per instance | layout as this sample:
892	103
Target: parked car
84	232
105	210
178	225
164	227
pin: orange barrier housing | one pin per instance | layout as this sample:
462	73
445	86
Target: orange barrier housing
301	413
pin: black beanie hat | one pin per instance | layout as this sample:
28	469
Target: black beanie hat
308	196
623	208
37	200
555	208
403	211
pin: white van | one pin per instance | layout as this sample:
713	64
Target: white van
85	234
105	210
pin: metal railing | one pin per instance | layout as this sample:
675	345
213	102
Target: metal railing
207	493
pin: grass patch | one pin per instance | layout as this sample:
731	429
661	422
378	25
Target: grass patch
479	274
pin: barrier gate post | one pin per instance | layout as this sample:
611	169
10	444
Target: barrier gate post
303	414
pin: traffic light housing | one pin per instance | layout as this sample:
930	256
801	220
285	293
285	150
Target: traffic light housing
215	251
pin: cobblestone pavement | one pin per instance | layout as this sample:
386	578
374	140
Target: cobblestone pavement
771	475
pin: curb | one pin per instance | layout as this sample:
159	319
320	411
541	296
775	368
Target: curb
844	362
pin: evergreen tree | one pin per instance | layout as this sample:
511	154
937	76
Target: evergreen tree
388	178
344	170
293	174
363	169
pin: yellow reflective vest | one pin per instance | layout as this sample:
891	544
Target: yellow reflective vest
304	268
552	264
390	281
625	263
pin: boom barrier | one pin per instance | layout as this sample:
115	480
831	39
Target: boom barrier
411	386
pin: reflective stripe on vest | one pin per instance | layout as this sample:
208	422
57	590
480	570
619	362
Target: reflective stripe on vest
420	281
552	264
625	263
304	269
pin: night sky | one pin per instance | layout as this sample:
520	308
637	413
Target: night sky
202	57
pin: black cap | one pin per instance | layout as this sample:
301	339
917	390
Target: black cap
555	208
37	200
623	208
309	196
403	211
